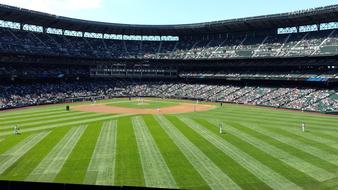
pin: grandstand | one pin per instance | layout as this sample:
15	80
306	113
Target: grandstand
284	61
256	61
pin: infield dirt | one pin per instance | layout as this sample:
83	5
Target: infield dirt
181	108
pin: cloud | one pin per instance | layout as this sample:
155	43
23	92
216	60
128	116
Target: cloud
58	7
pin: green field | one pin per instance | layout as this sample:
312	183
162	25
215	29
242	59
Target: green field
143	104
260	148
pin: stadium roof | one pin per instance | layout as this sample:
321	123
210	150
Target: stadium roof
304	17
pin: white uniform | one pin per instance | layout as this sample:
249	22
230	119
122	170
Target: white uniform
15	130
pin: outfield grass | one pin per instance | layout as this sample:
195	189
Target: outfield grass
261	148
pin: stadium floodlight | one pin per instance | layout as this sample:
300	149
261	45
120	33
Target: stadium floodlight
32	28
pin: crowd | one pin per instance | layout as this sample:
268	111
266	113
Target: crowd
12	96
20	95
329	103
300	44
263	74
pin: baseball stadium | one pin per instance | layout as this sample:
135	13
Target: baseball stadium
247	103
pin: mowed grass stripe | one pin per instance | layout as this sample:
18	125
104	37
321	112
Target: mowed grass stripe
264	173
128	164
317	130
33	109
51	165
11	140
14	154
328	135
175	159
101	170
323	155
287	122
331	147
292	174
309	136
295	162
27	116
26	164
106	173
213	175
78	161
282	114
313	124
58	119
155	170
64	124
302	137
261	118
241	176
28	111
314	160
40	117
331	184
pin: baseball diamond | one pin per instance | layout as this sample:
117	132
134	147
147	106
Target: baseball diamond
171	150
240	104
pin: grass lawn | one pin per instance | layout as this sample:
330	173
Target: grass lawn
261	148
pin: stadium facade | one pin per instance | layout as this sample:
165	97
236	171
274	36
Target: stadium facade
285	60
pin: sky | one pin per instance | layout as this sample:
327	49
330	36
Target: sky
157	12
